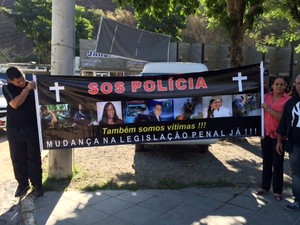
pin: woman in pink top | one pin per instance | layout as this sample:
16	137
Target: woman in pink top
274	102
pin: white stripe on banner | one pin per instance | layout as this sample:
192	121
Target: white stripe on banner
262	97
37	108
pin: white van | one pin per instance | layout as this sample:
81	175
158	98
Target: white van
159	68
156	68
3	106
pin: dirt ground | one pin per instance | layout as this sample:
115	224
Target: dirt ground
229	162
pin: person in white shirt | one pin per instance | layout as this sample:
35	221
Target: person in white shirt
220	110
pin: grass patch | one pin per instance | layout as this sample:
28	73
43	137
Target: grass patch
80	180
111	185
54	184
170	184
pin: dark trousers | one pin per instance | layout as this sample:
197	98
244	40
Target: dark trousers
25	155
272	166
295	162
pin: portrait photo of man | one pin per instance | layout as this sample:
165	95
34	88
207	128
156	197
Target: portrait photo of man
220	109
156	114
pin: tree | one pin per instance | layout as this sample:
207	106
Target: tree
166	17
160	8
93	15
196	32
292	6
171	24
236	17
279	25
83	27
33	17
161	16
122	16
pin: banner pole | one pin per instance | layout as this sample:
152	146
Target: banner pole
38	116
262	97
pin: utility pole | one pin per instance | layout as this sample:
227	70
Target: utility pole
62	63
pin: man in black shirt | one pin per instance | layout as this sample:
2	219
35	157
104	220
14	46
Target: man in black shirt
22	134
289	126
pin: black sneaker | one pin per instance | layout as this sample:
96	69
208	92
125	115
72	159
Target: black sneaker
292	206
21	190
38	191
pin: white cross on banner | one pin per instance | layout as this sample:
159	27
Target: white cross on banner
57	88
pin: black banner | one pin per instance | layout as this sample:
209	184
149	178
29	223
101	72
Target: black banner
80	111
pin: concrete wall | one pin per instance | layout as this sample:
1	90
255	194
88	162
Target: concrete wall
278	61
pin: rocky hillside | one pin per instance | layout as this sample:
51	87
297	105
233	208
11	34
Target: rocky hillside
14	44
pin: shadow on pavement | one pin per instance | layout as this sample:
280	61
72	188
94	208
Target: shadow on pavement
9	206
11	216
3	136
250	144
185	165
46	204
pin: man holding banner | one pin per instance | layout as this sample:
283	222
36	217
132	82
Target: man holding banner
22	132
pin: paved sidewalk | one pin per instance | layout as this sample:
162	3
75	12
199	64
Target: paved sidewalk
190	206
9	206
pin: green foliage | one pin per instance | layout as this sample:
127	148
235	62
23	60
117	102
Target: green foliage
171	24
243	13
166	17
83	26
216	13
160	8
236	18
34	18
93	15
279	25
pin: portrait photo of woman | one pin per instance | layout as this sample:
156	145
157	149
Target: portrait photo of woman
111	113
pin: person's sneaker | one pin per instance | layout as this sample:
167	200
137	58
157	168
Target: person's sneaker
21	190
292	206
38	191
